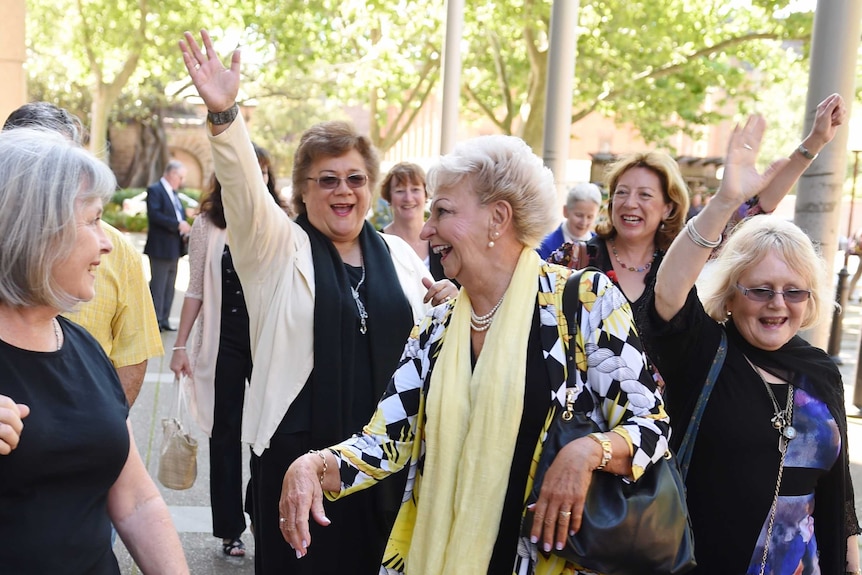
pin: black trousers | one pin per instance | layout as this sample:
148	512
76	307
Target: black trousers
163	276
233	368
353	543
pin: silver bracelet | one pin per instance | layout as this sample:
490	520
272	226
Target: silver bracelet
698	239
178	347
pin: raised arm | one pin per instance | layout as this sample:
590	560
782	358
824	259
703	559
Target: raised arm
690	250
831	114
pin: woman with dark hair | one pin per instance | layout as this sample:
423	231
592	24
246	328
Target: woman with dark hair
405	191
217	359
330	303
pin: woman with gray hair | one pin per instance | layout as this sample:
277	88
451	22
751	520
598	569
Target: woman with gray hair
583	203
469	406
69	465
769	488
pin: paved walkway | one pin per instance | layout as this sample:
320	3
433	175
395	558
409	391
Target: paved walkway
190	509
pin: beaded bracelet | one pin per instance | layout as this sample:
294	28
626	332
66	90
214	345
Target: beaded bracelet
698	239
323	457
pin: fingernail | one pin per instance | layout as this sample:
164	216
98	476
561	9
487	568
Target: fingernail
572	533
298	554
547	547
534	539
304	544
559	546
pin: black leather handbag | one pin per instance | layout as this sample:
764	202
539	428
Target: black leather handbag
627	528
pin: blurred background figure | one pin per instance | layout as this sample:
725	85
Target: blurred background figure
404	190
583	203
218	357
167	238
69	465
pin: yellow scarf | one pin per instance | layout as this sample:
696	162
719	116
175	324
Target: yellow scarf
473	418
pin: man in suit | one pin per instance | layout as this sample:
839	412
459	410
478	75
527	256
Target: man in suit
166	236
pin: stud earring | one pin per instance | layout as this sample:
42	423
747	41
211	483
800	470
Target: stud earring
491	244
494	236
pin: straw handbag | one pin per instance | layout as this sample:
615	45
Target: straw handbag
178	458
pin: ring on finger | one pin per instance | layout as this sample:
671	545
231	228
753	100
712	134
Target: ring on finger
565	514
747	147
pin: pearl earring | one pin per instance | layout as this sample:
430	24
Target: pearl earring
494	236
491	244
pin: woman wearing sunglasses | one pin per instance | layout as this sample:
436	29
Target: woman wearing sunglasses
769	487
330	304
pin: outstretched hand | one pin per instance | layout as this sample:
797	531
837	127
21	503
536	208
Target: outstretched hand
741	180
218	86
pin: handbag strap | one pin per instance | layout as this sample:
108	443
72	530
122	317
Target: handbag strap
687	446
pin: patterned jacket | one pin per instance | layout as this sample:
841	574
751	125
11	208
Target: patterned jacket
611	370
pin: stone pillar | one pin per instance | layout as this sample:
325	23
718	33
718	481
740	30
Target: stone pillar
13	89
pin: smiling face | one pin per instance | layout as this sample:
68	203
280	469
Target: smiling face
76	274
338	213
408	200
768	325
639	205
459	229
581	217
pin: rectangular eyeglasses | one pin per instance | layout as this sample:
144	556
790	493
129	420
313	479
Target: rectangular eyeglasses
353	181
765	294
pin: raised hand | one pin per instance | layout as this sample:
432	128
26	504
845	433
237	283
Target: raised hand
217	85
741	180
830	115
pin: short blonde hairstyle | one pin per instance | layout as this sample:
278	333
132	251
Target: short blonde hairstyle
402	174
503	168
751	241
673	188
45	178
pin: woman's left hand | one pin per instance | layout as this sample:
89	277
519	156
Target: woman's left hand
439	292
560	506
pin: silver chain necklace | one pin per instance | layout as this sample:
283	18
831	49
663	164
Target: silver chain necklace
360	307
57	333
483	322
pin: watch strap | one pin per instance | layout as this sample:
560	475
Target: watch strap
225	117
805	152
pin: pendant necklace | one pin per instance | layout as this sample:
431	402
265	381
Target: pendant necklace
483	322
782	421
639	270
360	307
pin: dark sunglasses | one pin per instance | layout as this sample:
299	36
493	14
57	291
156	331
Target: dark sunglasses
766	294
331	182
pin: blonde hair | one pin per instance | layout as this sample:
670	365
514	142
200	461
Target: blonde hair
503	168
752	240
673	187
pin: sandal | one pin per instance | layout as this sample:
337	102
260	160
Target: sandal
233	548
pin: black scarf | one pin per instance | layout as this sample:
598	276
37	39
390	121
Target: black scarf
390	319
809	368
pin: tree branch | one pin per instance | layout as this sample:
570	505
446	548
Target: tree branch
484	107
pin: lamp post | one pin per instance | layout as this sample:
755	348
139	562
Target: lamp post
841	295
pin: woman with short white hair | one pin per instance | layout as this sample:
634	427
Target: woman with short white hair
583	203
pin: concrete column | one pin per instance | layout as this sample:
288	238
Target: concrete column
561	79
835	43
451	74
13	89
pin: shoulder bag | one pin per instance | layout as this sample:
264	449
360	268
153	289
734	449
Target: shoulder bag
627	528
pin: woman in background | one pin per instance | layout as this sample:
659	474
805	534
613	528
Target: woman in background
218	357
404	189
583	203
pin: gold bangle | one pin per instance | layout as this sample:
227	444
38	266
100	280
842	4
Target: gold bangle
323	457
607	448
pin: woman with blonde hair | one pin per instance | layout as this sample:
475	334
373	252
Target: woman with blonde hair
769	487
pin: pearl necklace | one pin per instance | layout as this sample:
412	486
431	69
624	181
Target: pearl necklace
483	322
57	333
639	270
360	307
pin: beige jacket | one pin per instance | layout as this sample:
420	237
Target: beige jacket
272	255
